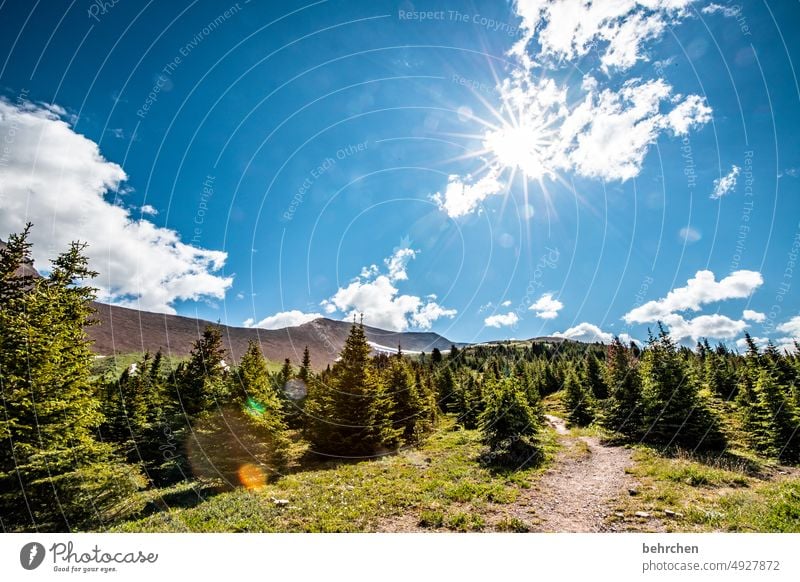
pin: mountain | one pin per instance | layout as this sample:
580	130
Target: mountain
123	330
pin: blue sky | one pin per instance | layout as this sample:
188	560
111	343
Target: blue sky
484	170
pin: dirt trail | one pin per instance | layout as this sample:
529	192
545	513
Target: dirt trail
577	494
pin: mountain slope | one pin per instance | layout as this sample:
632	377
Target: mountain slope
123	330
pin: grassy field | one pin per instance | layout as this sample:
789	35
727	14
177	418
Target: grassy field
440	486
729	494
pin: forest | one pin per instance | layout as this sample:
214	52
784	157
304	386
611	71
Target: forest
81	449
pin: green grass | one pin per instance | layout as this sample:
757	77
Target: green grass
732	493
439	486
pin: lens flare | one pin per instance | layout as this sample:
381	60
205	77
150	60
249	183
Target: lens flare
251	477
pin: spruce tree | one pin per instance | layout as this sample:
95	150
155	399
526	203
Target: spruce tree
624	410
510	426
578	400
772	420
594	378
201	382
305	366
54	474
675	413
411	412
349	410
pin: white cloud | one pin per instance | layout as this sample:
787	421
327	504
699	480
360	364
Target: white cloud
586	332
397	264
568	29
57	179
374	294
751	315
506	303
727	11
704	326
791	327
148	209
462	196
605	136
546	307
726	184
502	320
699	290
689	235
283	319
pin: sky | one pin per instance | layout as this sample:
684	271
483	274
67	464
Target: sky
484	170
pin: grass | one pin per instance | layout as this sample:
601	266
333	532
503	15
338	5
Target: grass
731	493
439	486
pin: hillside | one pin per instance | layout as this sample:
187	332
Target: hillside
123	330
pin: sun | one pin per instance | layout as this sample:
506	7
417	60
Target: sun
519	148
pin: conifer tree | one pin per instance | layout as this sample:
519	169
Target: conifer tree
510	425
578	400
675	414
305	366
351	413
54	474
201	383
624	411
594	378
411	411
773	421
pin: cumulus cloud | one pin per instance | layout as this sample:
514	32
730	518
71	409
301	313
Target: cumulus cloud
502	320
58	179
506	303
375	294
283	319
546	307
726	183
791	328
704	326
148	209
761	342
689	235
586	332
751	315
605	136
463	196
700	290
564	30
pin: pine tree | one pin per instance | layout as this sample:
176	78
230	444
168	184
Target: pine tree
54	474
624	411
411	412
675	414
305	366
350	414
772	420
510	426
201	383
594	378
578	400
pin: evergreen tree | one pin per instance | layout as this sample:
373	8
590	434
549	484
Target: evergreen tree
54	474
411	411
578	400
351	413
623	413
305	366
675	413
510	426
201	383
772	420
594	378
